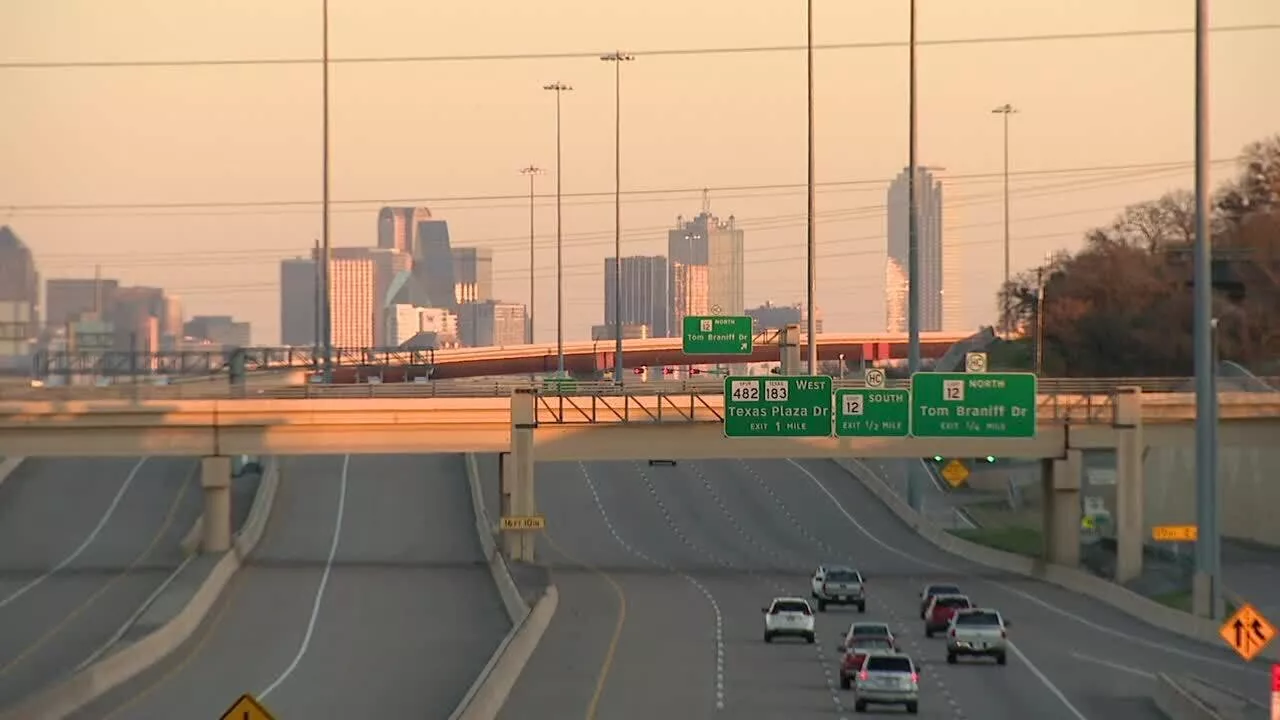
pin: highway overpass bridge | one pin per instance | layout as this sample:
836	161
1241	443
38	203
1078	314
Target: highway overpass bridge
399	365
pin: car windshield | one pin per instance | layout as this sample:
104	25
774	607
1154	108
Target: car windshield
790	606
952	602
874	630
844	576
978	619
943	590
887	663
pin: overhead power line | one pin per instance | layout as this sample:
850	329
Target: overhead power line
424	200
595	54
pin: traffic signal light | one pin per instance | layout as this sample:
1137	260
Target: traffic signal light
668	371
991	458
694	371
639	370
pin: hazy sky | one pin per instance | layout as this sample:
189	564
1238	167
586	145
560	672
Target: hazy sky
431	131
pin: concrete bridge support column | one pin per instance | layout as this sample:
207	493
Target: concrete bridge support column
789	351
524	420
1130	485
1061	493
215	478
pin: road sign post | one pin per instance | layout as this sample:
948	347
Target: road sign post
873	412
795	406
986	405
718	335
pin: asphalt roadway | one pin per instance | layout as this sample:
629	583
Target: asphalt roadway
84	542
367	596
663	571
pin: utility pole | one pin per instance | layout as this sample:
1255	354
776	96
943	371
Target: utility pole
1207	589
532	171
1005	111
913	246
326	249
617	58
812	223
559	88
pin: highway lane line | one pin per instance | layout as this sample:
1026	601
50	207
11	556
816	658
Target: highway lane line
715	606
133	619
102	523
606	664
1049	685
1230	665
1114	666
88	602
324	581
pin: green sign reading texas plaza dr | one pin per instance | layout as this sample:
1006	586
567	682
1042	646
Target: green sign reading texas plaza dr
991	405
778	406
718	335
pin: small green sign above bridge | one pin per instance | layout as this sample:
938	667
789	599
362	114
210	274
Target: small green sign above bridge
787	406
973	404
718	335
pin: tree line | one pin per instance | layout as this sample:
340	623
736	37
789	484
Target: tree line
1122	305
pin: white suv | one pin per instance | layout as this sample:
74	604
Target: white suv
788	616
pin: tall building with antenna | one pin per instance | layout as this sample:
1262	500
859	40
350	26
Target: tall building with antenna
706	241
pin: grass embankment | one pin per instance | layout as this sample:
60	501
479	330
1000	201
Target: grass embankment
1181	600
999	527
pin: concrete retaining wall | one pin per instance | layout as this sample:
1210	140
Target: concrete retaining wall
1177	703
487	695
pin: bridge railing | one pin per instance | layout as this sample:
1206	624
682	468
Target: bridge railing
1064	387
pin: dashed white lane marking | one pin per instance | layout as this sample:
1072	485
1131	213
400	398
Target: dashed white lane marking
913	645
1044	679
832	681
1198	657
324	581
720	694
93	535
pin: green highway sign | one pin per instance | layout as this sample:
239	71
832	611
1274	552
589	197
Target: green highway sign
718	335
559	386
786	406
873	412
990	405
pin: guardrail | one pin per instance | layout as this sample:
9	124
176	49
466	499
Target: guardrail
456	388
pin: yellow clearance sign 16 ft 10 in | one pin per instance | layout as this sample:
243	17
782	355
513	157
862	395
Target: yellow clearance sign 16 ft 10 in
524	522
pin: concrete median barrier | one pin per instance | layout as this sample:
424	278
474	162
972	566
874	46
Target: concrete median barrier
8	465
1075	580
487	695
126	662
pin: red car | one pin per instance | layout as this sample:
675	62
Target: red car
941	609
855	652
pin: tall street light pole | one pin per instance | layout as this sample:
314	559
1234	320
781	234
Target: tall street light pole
532	171
326	250
617	58
811	218
559	89
1208	556
913	224
1005	111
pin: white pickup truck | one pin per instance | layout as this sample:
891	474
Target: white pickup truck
839	585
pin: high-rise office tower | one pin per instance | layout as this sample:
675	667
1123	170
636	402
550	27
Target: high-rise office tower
472	274
689	295
387	264
66	299
299	302
398	227
646	294
433	279
491	323
719	245
929	237
19	296
353	309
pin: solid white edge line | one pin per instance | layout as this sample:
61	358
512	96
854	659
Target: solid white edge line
137	614
1114	666
1044	679
324	581
1154	645
97	530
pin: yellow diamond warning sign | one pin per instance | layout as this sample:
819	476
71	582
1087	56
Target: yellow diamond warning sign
1247	632
247	708
955	473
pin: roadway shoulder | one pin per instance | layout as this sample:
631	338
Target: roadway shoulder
167	619
1072	579
516	584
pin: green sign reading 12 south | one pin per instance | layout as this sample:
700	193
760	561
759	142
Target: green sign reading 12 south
989	405
717	335
786	406
873	412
